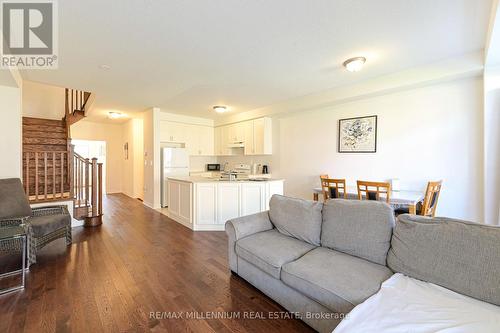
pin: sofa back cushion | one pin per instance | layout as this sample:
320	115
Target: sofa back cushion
297	218
458	255
359	228
13	202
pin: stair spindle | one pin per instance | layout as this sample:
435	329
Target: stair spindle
45	175
36	176
53	174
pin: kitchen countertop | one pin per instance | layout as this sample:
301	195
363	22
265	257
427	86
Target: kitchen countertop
200	179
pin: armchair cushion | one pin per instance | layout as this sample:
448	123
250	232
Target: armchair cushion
46	224
13	201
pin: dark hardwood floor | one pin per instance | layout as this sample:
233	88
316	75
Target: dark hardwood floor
113	277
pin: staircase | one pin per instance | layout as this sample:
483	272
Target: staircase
52	171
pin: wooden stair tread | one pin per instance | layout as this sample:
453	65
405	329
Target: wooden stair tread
45	122
44	128
44	134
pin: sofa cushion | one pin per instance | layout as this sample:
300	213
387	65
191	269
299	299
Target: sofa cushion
359	228
296	217
269	250
43	225
13	202
334	279
458	255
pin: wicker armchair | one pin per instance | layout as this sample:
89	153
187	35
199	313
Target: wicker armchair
43	225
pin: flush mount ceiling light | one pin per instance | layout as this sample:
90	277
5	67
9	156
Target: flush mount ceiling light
105	67
220	108
354	64
115	115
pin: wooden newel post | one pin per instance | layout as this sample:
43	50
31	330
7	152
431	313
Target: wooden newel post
96	202
99	175
94	186
87	181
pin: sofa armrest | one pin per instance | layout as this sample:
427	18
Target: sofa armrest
49	210
13	222
242	227
249	225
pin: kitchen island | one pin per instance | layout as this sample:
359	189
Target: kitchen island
202	203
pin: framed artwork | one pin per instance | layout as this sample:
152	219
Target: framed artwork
358	135
125	150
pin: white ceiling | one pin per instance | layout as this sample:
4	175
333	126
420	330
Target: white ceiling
187	55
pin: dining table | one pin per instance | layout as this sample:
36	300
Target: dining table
397	199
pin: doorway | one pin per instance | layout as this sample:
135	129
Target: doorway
90	149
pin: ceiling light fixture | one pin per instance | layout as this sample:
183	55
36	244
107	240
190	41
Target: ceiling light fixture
114	115
105	67
220	108
354	64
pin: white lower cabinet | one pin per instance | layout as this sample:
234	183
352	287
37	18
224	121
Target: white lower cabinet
179	201
209	205
206	203
252	198
228	202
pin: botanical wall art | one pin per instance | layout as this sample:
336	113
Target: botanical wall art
358	135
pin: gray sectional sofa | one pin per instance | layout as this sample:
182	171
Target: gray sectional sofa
321	260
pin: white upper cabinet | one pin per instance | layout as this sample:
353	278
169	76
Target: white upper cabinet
198	139
263	136
205	140
173	132
258	137
249	138
222	141
236	132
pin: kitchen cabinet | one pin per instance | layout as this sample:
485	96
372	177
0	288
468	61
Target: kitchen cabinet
179	202
206	210
258	137
252	198
204	140
228	202
236	132
198	139
213	203
173	132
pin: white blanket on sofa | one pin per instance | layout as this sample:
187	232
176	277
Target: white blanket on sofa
404	304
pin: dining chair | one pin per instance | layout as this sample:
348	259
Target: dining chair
373	190
333	188
431	198
429	205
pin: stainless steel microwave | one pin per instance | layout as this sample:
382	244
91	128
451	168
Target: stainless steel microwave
213	167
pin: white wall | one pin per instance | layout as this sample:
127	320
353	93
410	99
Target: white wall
133	168
43	101
427	133
11	131
152	158
492	145
113	135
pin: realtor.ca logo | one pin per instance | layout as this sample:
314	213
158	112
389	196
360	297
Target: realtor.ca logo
29	34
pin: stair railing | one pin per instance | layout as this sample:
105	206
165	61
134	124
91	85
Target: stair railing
87	185
45	175
76	100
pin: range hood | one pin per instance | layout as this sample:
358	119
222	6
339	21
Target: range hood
237	144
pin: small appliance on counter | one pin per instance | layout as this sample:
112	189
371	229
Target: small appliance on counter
265	169
213	167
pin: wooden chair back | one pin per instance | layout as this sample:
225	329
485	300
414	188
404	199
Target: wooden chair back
373	190
431	198
333	188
